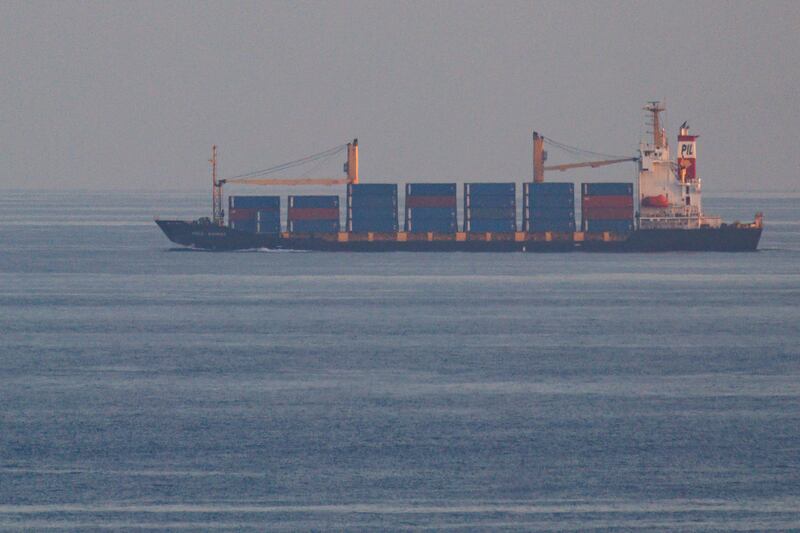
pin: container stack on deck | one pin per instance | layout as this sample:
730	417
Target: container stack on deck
313	214
269	220
431	207
255	214
372	207
548	207
607	207
490	207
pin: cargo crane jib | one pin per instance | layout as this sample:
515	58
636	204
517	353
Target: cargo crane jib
540	156
257	177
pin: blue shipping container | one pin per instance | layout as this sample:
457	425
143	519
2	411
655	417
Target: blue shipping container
439	226
615	226
249	226
386	224
372	189
268	227
254	202
373	215
550	189
490	189
567	202
499	226
268	216
608	189
490	201
380	226
430	189
314	226
554	213
552	225
373	201
490	213
386	213
317	201
431	213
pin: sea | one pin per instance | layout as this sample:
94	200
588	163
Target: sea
147	387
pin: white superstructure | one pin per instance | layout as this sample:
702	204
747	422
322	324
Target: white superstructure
669	191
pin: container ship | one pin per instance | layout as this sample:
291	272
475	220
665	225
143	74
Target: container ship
662	211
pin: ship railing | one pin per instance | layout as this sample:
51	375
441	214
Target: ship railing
710	221
671	212
676	222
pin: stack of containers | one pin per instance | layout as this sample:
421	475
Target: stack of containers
372	207
548	207
431	207
313	214
269	220
255	214
490	207
607	207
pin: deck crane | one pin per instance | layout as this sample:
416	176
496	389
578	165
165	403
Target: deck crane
257	177
540	156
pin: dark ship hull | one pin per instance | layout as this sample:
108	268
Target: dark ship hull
727	238
203	235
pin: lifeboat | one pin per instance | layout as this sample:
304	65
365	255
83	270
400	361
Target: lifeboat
655	201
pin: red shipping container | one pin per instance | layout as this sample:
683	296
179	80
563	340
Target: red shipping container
313	213
607	213
430	201
607	201
243	213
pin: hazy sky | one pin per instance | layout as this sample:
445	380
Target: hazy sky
133	94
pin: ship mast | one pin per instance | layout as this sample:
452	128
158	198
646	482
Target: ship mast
216	192
655	108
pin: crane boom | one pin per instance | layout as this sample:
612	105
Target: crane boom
289	181
350	169
592	164
540	156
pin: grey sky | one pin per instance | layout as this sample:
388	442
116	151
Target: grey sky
132	95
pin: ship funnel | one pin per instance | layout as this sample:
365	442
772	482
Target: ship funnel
687	154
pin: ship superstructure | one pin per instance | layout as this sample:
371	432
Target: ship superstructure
670	192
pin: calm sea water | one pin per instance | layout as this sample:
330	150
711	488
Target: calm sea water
143	387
